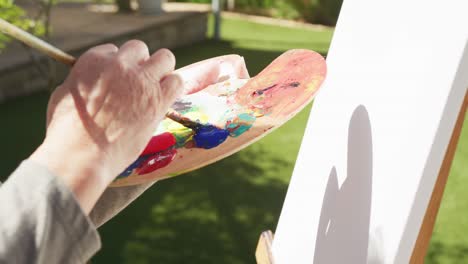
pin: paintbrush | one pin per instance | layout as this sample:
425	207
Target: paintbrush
36	43
186	122
61	56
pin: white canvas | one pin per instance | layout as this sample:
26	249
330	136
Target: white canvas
377	133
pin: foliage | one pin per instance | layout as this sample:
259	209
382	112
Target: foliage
37	23
17	16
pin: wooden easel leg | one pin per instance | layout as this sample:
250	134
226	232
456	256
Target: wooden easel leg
425	233
263	253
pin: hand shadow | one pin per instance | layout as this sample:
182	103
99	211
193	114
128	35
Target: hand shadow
343	231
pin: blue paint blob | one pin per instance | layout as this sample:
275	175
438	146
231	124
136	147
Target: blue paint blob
128	171
209	136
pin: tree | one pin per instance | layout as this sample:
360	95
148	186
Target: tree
38	24
17	16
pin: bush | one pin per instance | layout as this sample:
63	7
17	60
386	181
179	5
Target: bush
17	16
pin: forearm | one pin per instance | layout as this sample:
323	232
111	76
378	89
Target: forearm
115	200
41	221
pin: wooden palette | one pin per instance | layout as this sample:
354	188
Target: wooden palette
235	114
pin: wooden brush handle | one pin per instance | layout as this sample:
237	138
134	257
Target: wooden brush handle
60	56
36	43
185	121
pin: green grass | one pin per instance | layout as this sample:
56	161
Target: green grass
215	214
449	242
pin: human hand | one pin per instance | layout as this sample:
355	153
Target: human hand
195	77
104	113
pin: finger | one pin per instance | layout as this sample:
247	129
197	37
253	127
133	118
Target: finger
233	61
171	89
101	51
133	52
235	66
199	77
161	63
243	73
201	74
105	48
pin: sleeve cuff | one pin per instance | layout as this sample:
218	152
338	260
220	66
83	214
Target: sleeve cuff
82	240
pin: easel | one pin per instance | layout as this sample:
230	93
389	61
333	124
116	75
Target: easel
263	253
424	237
391	91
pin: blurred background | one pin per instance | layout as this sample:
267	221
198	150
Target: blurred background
214	214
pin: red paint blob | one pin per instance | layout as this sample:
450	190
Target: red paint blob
157	161
159	143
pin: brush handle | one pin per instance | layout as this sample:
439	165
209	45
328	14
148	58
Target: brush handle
60	56
36	43
186	122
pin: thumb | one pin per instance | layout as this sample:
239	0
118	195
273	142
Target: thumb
171	88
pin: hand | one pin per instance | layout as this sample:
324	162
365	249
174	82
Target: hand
195	77
104	113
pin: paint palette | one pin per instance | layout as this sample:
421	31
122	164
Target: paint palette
232	115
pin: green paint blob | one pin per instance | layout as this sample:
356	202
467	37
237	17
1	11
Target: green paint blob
182	136
240	124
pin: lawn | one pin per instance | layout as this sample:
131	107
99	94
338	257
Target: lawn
215	214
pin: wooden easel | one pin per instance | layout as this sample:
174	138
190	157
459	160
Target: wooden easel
264	254
425	233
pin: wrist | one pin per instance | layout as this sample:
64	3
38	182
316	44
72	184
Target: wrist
80	169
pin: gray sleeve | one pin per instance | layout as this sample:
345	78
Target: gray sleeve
115	200
41	221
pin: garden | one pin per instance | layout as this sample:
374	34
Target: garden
215	214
